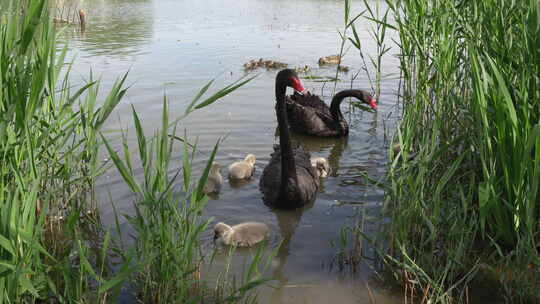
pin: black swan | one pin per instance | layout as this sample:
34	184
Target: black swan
308	114
288	181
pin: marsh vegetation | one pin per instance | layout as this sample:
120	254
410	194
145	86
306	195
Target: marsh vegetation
94	210
465	209
53	245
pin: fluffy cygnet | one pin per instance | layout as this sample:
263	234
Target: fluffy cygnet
242	169
241	235
214	181
321	165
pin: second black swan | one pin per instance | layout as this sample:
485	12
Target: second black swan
308	114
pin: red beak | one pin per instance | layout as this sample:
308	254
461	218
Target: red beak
373	104
297	85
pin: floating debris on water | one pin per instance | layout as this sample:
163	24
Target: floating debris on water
268	64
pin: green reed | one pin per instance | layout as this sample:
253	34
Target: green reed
464	186
166	258
378	32
53	246
48	160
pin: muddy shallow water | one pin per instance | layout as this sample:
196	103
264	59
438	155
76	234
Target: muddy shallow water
174	47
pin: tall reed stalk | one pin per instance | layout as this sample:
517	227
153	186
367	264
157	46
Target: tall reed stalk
378	32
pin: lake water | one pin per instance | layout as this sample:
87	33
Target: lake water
173	48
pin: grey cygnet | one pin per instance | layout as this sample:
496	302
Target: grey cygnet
241	235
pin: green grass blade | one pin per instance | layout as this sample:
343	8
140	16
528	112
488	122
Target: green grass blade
223	92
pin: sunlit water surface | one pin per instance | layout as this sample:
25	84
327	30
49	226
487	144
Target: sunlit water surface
174	47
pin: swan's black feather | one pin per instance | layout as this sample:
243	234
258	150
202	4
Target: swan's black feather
297	195
308	114
310	100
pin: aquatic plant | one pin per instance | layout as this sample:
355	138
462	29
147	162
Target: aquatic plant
466	205
378	33
53	246
167	225
48	148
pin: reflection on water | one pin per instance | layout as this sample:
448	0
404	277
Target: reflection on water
174	47
336	145
239	183
114	27
287	222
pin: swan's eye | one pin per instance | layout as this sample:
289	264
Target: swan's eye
297	85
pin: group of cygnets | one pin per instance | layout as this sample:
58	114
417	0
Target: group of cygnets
240	170
249	233
291	179
243	170
272	64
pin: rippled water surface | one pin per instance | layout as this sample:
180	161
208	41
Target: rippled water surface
173	48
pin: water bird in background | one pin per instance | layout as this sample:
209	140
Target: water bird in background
268	64
332	59
308	114
288	181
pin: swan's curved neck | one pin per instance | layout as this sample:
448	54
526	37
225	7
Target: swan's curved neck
336	103
288	166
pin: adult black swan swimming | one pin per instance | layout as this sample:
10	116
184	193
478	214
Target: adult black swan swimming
308	114
288	181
